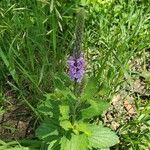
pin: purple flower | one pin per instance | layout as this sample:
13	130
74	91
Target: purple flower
76	68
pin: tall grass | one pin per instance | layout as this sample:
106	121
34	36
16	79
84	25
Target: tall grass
35	36
115	33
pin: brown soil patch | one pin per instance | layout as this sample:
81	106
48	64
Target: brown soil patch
16	121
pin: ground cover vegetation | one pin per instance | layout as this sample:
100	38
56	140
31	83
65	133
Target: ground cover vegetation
74	75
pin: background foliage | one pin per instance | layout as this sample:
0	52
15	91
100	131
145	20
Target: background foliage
37	36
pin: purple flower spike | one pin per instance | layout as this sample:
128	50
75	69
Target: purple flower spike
76	68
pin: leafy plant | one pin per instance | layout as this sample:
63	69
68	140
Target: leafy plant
66	121
67	112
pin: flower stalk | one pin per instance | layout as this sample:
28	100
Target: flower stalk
76	61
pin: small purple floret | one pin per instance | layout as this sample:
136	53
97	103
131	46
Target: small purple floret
76	68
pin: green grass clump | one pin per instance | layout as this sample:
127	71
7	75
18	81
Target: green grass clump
34	42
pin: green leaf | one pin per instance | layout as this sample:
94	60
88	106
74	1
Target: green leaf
45	110
65	124
8	65
49	107
47	129
51	145
90	89
64	111
64	118
82	127
95	109
51	5
59	84
77	142
102	137
104	89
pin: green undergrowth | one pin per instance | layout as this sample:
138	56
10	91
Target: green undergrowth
36	39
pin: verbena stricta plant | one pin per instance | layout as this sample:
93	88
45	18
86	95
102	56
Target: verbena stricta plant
67	114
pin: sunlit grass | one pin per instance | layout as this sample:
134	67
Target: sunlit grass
37	36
